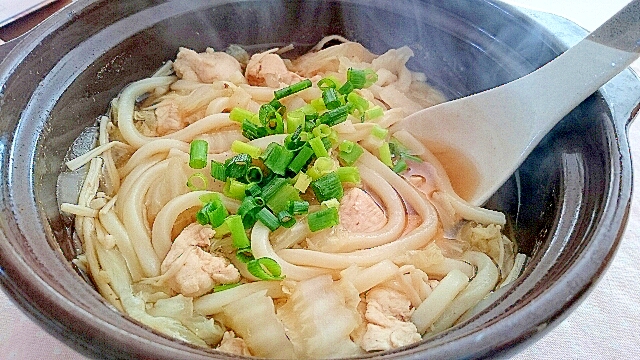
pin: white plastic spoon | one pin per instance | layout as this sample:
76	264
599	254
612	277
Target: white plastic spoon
491	133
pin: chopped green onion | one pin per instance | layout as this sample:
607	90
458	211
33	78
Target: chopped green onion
266	112
275	124
327	187
265	269
326	83
234	189
280	200
240	115
223	287
331	98
249	208
286	219
197	176
294	141
349	152
240	147
373	113
244	255
213	213
318	147
322	130
385	154
349	174
254	174
321	167
359	103
277	159
253	189
295	119
361	78
298	207
268	219
292	89
335	116
253	131
331	203
323	219
238	233
301	160
272	187
379	132
400	166
302	182
276	104
198	154
218	171
236	167
346	88
318	104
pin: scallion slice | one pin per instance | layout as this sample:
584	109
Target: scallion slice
234	189
349	174
328	187
238	233
218	171
213	213
272	187
244	255
223	287
323	219
254	174
265	268
280	200
277	159
349	152
198	154
318	147
236	167
302	182
361	78
292	89
379	132
298	207
331	98
295	119
268	219
253	131
385	154
286	219
373	113
400	166
197	181
336	115
240	147
301	160
240	114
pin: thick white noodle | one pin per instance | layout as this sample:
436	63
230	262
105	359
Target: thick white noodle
439	299
152	148
416	239
114	226
261	247
365	279
132	179
484	281
135	220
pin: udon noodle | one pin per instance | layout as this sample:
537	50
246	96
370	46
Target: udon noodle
297	233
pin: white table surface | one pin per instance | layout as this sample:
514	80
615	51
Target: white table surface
605	326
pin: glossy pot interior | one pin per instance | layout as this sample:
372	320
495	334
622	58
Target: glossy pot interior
567	204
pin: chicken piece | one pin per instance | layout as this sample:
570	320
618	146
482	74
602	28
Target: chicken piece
360	213
233	345
208	66
268	69
193	271
388	316
168	118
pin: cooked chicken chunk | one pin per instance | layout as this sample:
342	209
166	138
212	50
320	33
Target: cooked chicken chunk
208	66
387	315
192	270
360	213
268	69
233	345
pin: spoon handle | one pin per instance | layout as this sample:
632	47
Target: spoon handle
622	31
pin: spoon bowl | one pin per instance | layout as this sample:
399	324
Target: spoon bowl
485	137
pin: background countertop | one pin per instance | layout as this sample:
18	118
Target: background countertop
605	326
